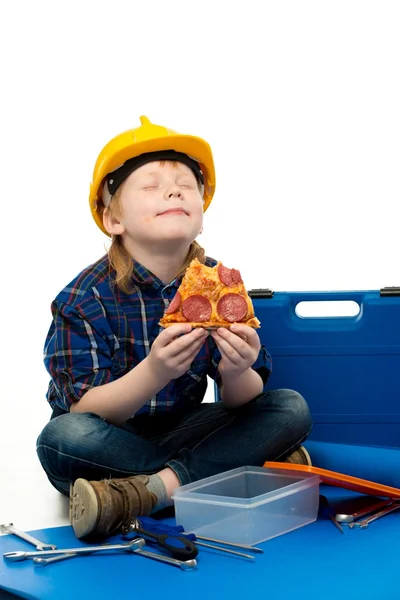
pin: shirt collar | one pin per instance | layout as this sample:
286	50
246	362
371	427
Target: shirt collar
143	276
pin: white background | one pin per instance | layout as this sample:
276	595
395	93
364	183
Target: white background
300	103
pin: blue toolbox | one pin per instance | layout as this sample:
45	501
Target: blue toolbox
347	368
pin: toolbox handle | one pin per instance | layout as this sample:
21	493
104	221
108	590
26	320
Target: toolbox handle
314	309
311	307
319	312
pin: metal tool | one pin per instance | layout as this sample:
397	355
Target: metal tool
358	507
169	530
184	565
178	546
50	556
9	528
221	549
326	511
365	522
130	547
47	561
231	544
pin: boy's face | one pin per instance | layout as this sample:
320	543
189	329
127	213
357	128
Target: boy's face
161	202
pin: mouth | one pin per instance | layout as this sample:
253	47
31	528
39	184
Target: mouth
174	211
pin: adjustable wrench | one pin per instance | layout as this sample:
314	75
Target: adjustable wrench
9	528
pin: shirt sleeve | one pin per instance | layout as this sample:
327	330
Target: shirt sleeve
76	356
263	364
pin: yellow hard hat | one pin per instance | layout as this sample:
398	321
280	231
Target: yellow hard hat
146	139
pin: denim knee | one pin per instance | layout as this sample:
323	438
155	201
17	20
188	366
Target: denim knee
71	429
69	435
297	409
290	405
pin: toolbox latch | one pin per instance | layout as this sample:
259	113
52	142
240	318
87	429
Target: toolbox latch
390	291
264	293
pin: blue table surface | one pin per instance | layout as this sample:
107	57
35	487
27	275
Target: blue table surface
315	562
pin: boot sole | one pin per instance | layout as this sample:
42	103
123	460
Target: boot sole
299	457
84	508
306	454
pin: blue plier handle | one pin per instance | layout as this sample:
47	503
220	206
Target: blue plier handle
167	538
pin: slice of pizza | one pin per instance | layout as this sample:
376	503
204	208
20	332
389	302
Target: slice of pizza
210	297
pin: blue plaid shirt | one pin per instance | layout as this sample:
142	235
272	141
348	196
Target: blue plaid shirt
99	334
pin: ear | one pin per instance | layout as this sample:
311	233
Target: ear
111	224
201	230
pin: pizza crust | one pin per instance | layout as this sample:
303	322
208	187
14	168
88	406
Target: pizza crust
254	322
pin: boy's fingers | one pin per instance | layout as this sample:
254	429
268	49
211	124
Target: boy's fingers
231	343
170	333
186	341
189	351
248	334
228	351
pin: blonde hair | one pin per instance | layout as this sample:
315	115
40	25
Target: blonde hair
121	261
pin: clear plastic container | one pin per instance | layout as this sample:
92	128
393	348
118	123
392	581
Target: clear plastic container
248	505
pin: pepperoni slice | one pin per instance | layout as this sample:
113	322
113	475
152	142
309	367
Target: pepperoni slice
175	304
232	307
197	309
236	276
224	275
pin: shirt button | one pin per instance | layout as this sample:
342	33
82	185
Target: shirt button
168	291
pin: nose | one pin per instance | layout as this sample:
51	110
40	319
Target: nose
174	191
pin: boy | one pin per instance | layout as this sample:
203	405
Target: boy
128	423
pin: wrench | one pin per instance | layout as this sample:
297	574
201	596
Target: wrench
365	522
185	565
18	555
9	528
133	546
49	560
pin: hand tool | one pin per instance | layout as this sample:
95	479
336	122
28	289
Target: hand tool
184	565
45	557
162	528
20	555
177	545
230	544
10	528
365	522
357	507
49	560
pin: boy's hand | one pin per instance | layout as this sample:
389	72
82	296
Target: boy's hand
172	352
239	346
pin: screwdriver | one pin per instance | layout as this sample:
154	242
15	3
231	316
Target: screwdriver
162	528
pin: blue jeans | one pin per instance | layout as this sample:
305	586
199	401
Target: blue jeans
205	441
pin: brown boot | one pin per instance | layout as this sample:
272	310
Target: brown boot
101	508
299	457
